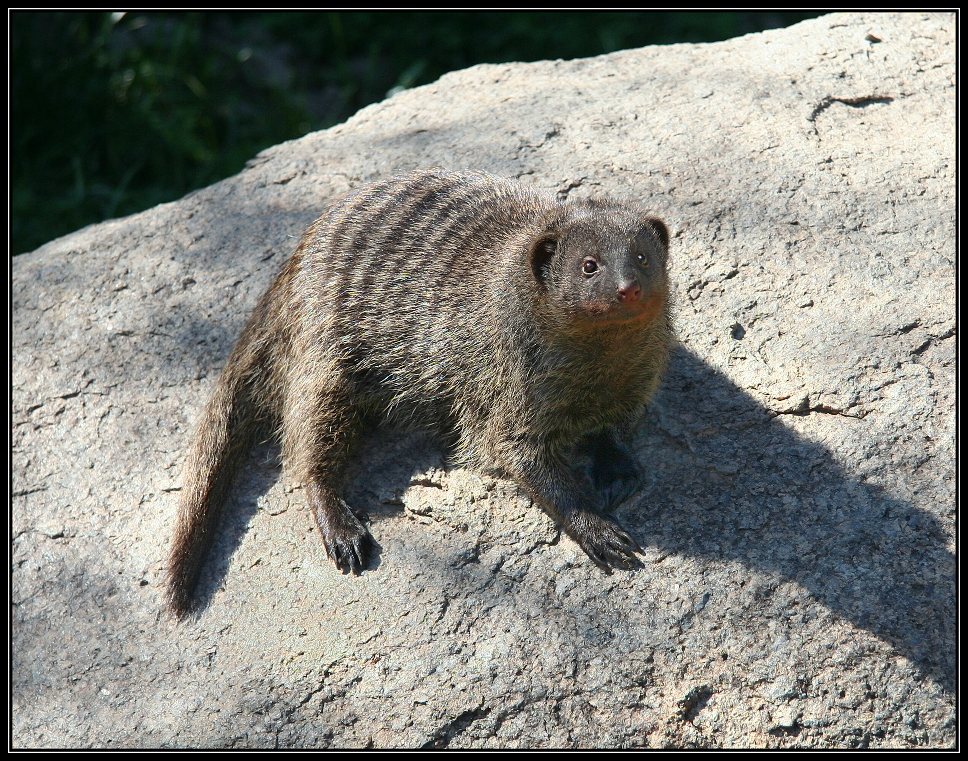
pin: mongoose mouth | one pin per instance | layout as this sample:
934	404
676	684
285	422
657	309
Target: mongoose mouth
617	313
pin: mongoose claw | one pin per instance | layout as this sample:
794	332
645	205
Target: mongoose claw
608	545
350	554
348	543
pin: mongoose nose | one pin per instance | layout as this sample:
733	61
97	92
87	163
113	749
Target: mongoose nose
629	293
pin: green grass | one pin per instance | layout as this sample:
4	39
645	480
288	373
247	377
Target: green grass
112	114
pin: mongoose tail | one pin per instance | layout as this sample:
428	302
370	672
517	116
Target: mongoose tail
226	432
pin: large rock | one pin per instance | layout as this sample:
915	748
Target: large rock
798	583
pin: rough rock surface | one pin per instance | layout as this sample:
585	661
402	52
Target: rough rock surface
798	584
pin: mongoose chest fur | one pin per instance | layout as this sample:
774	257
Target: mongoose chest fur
532	331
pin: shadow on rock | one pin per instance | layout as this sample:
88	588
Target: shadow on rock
740	485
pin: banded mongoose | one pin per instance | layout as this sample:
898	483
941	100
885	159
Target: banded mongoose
531	330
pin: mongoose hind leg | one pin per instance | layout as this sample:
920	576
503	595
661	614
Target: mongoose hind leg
574	505
348	543
614	471
320	432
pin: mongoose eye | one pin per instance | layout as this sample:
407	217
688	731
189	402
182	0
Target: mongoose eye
642	259
589	266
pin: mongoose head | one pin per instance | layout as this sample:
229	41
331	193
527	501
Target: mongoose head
602	264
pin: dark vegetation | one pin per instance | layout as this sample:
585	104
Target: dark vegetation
114	113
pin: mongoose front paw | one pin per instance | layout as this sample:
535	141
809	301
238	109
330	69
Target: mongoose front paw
614	470
616	479
608	545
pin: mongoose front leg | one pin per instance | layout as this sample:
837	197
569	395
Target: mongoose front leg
614	471
347	542
572	503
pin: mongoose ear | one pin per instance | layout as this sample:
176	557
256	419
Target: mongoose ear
542	252
658	227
